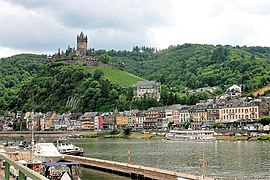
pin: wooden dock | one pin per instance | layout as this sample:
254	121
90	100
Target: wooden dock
133	171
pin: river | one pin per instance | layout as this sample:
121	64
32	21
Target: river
225	159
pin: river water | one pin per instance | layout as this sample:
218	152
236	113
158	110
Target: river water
225	159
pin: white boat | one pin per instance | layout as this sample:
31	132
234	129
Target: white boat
191	135
46	152
64	146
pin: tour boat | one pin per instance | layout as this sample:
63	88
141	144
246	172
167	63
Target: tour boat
46	152
64	146
190	135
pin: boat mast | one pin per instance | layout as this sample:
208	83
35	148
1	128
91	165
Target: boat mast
32	143
203	163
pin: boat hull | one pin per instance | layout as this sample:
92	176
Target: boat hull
47	158
74	153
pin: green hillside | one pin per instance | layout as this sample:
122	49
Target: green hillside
26	83
122	78
195	65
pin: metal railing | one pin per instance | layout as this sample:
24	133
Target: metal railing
23	170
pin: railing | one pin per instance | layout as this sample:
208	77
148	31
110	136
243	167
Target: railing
23	170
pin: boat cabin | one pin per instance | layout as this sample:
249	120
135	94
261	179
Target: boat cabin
62	170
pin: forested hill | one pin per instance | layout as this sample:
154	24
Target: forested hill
26	83
195	65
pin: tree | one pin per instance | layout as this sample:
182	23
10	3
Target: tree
105	58
265	120
98	74
127	131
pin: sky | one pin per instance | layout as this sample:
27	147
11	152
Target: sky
43	26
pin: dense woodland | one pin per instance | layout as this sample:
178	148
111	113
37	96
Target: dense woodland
26	83
193	66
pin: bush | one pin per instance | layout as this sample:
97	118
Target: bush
114	132
95	135
264	138
127	131
122	135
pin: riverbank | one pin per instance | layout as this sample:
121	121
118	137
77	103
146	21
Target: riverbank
37	134
153	136
121	135
243	138
52	134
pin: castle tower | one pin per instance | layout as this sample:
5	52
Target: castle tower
81	44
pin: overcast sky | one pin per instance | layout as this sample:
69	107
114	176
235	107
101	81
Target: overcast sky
41	26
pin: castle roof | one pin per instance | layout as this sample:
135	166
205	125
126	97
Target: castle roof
81	36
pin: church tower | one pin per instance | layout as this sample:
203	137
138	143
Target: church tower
81	44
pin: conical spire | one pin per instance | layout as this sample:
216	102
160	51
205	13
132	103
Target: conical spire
81	35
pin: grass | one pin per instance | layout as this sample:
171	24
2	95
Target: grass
264	138
122	135
93	135
145	136
236	138
122	78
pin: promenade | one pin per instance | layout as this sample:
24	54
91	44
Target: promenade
38	134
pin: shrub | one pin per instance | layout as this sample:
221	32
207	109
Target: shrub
264	138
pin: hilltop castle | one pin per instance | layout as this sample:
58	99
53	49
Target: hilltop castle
81	55
71	56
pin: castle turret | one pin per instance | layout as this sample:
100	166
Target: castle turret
81	44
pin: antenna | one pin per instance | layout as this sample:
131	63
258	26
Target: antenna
32	139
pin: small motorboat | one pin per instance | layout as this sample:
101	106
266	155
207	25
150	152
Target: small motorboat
64	146
46	152
62	170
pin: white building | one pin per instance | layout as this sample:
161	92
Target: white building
146	89
234	91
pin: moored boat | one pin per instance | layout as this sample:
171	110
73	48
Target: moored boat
62	170
46	152
64	146
191	135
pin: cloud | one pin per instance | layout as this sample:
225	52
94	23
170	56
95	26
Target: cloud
45	25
